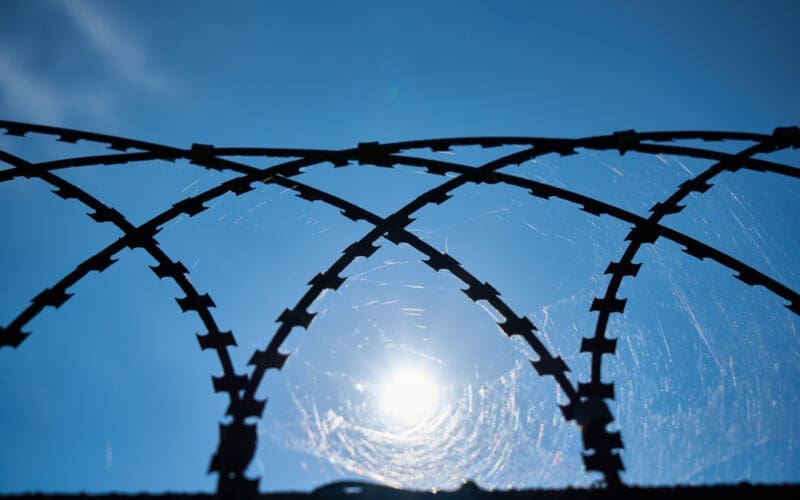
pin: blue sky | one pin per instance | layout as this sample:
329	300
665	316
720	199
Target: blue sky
111	391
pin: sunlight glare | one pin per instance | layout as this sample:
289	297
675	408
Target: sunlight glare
408	396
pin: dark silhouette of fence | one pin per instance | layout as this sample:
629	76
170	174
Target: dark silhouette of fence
586	402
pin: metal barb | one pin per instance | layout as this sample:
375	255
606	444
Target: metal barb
586	402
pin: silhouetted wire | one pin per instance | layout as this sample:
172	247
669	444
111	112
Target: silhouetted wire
586	405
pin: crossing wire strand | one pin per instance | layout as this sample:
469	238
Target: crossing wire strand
378	154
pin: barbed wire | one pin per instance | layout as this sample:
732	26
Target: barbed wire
586	403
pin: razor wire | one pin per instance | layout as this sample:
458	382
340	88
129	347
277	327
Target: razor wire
586	403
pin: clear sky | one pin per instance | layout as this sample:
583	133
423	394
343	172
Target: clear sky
112	392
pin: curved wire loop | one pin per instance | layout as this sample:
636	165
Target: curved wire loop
586	404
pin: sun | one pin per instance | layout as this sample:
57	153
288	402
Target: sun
408	396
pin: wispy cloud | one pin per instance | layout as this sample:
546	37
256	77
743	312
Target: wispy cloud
105	60
115	45
26	95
